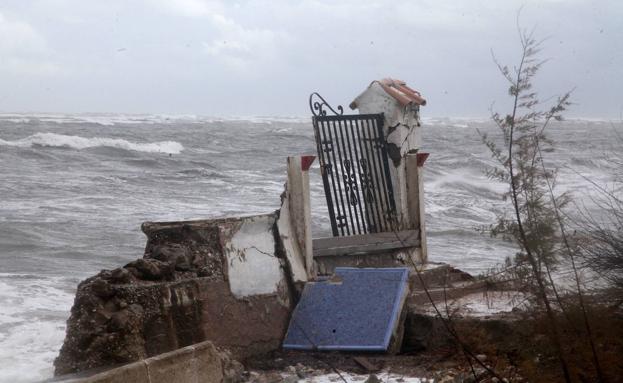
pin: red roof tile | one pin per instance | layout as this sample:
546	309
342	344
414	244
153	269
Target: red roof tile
399	90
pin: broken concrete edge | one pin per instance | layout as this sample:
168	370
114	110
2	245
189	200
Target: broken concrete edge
196	281
195	363
295	287
150	228
405	257
287	237
239	236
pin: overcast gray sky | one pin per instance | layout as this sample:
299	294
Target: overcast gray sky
243	58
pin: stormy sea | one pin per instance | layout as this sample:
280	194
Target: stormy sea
74	190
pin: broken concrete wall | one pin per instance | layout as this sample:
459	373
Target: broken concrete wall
402	131
220	280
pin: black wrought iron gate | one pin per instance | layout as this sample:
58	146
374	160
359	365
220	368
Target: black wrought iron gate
355	170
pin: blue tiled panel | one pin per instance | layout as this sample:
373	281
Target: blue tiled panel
354	310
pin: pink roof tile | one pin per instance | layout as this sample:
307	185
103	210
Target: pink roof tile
399	90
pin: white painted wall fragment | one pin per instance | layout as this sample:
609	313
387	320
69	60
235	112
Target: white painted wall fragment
293	251
252	266
415	201
294	221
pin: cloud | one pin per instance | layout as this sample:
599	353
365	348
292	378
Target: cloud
22	66
23	50
17	37
230	42
190	8
240	46
185	55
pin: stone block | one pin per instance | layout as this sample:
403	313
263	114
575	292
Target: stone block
176	366
198	363
209	365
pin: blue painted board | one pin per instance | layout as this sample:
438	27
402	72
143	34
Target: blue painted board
355	310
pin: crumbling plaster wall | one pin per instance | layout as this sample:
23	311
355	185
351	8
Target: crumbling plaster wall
252	266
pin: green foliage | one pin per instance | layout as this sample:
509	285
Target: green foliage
537	225
535	222
532	221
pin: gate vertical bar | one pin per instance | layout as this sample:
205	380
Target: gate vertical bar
325	169
368	178
350	177
363	211
341	179
342	218
389	190
382	203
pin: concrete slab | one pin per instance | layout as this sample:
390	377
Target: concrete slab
356	309
164	368
201	362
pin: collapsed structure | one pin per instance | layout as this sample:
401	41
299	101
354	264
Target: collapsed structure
372	174
235	281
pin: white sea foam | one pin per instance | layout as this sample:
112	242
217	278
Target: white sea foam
133	119
385	376
77	142
32	326
111	119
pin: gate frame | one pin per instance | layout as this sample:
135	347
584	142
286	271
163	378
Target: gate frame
378	210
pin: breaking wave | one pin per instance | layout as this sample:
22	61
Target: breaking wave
140	119
77	142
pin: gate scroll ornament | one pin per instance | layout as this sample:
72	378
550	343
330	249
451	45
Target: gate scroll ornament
352	150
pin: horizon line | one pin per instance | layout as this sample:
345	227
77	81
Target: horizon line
197	116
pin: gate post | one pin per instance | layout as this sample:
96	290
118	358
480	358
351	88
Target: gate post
294	221
415	199
400	106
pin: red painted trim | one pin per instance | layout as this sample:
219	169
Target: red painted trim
306	162
421	158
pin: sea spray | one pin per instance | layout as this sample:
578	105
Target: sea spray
77	142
